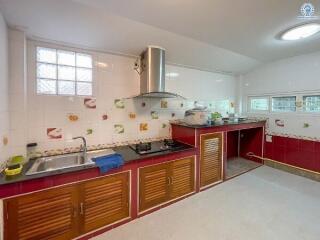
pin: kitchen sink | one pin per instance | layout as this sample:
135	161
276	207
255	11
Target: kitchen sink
67	161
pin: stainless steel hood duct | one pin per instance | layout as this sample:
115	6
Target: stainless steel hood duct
152	74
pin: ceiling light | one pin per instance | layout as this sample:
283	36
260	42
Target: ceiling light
300	32
102	64
172	74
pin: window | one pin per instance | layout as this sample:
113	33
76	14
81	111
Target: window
223	107
61	72
284	104
311	103
259	104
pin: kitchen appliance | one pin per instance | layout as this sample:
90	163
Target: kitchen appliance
196	116
155	147
151	68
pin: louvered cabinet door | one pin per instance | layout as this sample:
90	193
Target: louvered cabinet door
104	201
153	186
210	158
44	215
182	177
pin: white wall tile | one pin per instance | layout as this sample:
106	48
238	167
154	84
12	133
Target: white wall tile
297	75
114	80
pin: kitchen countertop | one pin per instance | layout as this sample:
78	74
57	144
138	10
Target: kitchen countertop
217	124
127	153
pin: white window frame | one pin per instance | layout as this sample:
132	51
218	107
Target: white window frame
299	103
256	110
68	49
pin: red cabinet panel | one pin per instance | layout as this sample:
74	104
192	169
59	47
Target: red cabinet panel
296	152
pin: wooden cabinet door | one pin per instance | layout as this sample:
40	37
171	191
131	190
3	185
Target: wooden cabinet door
182	176
210	158
153	185
49	214
104	201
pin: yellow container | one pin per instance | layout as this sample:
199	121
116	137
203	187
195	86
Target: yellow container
9	171
17	160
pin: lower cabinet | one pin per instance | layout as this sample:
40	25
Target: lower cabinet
104	201
64	213
210	158
49	214
166	181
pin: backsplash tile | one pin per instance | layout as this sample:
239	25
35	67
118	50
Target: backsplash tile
90	103
109	117
54	133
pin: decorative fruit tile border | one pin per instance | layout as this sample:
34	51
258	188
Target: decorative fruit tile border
53	152
316	139
295	136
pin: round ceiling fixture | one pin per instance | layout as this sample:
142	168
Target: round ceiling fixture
300	32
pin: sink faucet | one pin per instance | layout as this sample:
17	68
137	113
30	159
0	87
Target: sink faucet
84	146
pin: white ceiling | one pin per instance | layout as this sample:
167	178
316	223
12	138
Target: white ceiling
231	36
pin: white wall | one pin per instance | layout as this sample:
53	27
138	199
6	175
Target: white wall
200	85
17	92
292	76
118	80
4	88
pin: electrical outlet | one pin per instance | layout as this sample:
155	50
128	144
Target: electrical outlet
268	138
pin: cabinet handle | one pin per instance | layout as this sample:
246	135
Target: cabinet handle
81	209
169	180
74	212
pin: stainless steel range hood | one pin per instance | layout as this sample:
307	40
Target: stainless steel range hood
152	74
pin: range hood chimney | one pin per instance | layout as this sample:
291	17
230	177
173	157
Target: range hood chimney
152	74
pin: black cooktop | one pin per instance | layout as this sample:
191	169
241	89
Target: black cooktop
159	146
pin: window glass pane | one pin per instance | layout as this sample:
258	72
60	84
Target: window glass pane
222	107
46	71
46	55
66	87
84	74
311	103
46	86
84	89
259	104
66	73
66	58
84	60
284	104
58	72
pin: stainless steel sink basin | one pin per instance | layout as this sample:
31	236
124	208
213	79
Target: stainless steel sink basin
68	161
49	164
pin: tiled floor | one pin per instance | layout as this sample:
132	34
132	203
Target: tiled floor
263	204
238	165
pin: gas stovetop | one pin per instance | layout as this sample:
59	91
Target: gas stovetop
154	147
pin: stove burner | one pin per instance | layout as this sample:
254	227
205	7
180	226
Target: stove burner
170	143
154	147
143	147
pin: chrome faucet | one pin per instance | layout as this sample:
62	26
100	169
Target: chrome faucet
83	147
